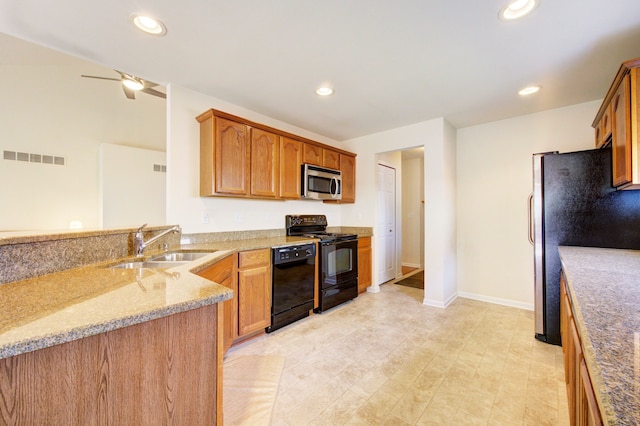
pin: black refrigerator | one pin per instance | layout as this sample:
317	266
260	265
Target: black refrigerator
574	204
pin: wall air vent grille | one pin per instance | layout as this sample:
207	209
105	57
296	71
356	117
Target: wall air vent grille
33	158
159	168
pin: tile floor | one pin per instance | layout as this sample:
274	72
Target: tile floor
387	359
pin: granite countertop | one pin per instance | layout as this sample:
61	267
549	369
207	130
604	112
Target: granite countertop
604	286
64	306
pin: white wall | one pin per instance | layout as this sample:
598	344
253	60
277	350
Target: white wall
184	204
495	259
440	189
132	190
47	108
412	213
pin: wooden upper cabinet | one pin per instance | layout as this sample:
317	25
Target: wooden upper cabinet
603	130
265	160
348	168
621	142
290	171
232	157
331	159
240	158
312	154
224	157
619	117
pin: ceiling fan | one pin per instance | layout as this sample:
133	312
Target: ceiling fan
132	84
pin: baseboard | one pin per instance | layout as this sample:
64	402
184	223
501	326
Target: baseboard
497	300
439	304
411	265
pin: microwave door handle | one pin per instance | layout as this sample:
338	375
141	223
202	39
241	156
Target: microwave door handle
334	187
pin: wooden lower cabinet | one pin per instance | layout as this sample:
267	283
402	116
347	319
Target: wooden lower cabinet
254	291
225	272
583	407
364	264
164	371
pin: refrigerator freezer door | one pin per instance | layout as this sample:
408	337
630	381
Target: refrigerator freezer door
538	245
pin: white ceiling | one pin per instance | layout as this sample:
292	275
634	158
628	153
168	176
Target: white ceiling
392	63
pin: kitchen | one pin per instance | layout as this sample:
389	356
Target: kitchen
460	257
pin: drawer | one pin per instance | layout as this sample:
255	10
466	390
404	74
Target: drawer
247	259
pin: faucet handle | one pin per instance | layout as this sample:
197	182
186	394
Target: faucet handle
140	229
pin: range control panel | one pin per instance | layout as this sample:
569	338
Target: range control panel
293	253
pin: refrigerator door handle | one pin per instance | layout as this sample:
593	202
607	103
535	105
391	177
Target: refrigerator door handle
530	217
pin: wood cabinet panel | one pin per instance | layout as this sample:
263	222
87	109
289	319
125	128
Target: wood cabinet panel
348	168
265	160
588	412
225	272
158	372
312	154
621	141
331	159
232	157
254	291
364	264
290	171
583	407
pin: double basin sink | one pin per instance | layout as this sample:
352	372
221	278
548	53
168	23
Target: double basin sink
163	261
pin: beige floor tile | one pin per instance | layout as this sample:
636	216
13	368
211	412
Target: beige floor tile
387	359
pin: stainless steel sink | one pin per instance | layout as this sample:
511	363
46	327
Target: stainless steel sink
180	256
147	264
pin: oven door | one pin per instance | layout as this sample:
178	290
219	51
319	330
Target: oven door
339	262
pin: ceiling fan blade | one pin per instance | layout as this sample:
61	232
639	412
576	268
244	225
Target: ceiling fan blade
100	78
154	92
130	94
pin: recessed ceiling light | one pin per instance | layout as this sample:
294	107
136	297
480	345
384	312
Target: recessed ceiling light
529	90
517	9
149	25
324	91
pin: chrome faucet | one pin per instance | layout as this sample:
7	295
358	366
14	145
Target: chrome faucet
139	244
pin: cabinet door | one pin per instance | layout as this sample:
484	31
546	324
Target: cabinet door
290	172
225	273
265	157
231	157
331	159
603	132
312	154
254	291
348	168
621	130
364	264
588	411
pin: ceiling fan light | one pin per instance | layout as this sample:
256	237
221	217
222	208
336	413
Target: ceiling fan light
149	25
517	9
133	83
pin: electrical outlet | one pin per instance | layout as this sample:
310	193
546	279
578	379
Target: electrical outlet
205	217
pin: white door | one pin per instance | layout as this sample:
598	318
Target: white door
386	229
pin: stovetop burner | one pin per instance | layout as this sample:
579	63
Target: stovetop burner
313	226
324	237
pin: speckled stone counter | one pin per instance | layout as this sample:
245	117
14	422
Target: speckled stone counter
604	286
60	307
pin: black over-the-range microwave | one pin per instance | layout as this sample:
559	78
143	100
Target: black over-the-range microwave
320	183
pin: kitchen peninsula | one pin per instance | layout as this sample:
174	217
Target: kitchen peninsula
95	344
